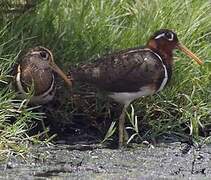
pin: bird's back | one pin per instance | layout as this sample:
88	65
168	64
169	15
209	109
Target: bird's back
126	71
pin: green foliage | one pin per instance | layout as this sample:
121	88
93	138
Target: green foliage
110	132
135	126
80	30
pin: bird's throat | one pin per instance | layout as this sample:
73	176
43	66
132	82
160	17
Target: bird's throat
166	52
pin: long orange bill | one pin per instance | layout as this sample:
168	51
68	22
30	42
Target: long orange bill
62	74
189	53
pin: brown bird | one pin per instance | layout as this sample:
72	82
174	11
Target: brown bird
133	73
36	71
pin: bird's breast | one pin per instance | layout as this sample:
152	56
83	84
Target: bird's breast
41	81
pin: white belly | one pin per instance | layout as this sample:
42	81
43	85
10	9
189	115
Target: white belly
128	97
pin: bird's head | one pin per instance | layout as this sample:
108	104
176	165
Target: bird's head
44	58
164	41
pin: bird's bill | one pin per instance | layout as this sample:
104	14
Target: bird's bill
189	53
61	74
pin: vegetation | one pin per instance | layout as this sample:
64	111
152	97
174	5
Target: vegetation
80	30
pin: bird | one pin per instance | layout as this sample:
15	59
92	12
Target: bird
133	73
36	71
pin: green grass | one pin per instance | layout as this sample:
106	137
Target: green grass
80	30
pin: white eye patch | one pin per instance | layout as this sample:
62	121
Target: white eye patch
168	35
160	36
36	52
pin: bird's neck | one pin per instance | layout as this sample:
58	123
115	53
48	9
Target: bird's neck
166	52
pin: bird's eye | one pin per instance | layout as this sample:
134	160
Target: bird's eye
44	55
169	36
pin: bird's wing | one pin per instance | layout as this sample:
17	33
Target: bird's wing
123	72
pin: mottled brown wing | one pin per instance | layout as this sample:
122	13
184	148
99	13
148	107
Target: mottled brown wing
39	76
123	72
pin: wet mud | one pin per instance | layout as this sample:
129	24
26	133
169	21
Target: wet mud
163	161
77	156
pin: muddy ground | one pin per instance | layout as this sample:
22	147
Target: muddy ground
77	157
163	161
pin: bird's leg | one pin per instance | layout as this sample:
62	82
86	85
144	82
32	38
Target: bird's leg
122	131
